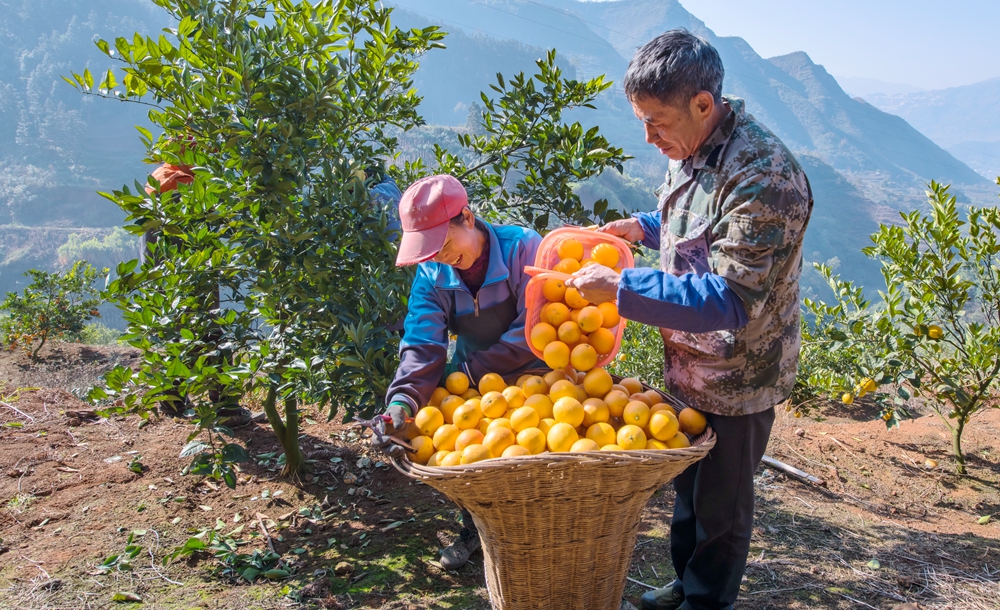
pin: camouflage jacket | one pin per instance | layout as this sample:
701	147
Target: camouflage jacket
737	208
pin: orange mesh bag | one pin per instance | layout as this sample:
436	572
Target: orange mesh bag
553	265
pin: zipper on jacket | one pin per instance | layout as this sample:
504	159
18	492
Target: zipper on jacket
475	303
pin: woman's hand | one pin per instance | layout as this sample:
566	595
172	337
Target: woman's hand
596	283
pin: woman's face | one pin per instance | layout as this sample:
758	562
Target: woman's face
464	243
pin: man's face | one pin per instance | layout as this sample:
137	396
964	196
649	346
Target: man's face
678	131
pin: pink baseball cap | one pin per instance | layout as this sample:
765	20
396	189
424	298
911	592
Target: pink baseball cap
425	210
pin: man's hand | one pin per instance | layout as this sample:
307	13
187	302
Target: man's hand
381	439
629	229
398	412
596	283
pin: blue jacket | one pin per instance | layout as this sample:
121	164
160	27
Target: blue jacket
437	289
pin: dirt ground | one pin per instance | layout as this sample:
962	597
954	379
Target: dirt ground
886	530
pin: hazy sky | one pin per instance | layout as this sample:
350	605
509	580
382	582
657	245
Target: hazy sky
927	43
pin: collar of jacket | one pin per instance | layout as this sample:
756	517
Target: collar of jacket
446	277
710	151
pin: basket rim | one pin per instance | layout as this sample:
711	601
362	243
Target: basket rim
699	448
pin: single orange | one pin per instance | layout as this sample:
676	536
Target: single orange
468	437
570	248
597	383
561	437
428	420
574	300
590	319
475	453
534	385
616	401
556	354
602	434
515	451
691	422
524	418
554	314
583	357
445	437
631	437
561	389
493	404
663	425
541	403
425	449
606	254
568	410
553	376
500	422
654	397
610	314
491	382
553	290
448	406
585	444
569	332
531	439
636	413
514	396
641	398
454	458
567	265
631	385
457	383
467	416
602	340
499	439
595	410
437	396
679	441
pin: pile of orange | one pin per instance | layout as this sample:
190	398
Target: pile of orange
564	410
572	331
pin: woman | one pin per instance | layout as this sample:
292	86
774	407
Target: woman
470	282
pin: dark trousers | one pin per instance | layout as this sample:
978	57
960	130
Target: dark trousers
713	512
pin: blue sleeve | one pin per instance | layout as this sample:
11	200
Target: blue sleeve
386	194
512	351
650	222
423	351
688	303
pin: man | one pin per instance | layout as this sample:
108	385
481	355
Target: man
729	226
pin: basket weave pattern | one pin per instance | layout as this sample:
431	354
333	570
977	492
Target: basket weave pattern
558	529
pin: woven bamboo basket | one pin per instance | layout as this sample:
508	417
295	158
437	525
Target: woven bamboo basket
558	529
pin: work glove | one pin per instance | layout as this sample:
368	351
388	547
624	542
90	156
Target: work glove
398	412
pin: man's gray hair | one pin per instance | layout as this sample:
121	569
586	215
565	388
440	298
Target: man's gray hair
674	67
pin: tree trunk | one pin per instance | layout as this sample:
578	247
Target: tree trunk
34	354
956	444
287	431
294	460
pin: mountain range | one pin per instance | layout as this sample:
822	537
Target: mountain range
57	148
963	120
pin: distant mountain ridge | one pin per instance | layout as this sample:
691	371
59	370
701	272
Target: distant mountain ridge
795	97
962	119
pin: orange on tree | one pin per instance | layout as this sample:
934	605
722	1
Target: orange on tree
532	439
491	382
584	444
631	437
595	410
569	411
933	331
583	357
597	383
498	439
609	314
606	254
847	398
554	314
602	434
602	340
663	425
574	300
590	319
556	354
428	420
515	451
570	248
524	418
561	437
493	404
475	453
869	385
692	422
514	396
468	437
425	449
445	437
457	382
553	290
541	403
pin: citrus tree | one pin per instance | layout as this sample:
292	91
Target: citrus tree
520	161
274	272
935	331
52	306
